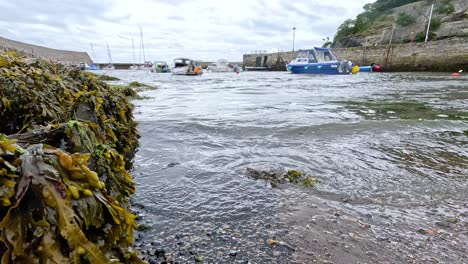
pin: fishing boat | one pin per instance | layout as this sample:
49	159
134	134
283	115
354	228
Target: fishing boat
183	66
161	67
220	66
320	61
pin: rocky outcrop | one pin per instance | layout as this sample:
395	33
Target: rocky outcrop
449	20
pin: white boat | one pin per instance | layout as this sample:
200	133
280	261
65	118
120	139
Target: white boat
220	66
184	66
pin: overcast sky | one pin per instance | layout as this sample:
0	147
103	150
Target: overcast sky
198	29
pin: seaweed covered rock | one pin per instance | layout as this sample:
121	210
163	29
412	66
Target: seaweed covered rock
66	142
277	177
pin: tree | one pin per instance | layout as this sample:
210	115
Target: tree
326	42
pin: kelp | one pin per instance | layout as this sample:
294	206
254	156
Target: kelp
64	184
277	177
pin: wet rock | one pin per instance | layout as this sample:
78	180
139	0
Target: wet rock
156	243
179	235
233	253
443	224
159	252
371	254
172	164
272	242
198	258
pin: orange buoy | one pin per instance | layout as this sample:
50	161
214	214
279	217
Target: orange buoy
197	70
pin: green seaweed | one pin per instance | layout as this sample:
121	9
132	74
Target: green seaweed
104	77
67	141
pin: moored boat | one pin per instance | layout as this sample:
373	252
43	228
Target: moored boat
184	66
161	67
320	61
220	66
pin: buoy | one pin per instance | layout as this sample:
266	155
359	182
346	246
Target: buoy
455	74
355	69
197	69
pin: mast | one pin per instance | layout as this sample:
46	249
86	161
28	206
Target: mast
109	53
93	52
429	23
142	44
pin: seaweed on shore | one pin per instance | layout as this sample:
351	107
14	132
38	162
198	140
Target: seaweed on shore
104	77
280	177
66	142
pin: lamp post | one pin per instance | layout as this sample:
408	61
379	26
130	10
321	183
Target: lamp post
294	36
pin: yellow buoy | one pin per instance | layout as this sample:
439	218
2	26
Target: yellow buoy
355	69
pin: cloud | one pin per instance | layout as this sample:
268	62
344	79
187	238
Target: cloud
201	29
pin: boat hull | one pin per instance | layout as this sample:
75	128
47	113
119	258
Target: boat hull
315	68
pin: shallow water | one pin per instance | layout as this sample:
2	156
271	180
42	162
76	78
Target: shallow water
200	134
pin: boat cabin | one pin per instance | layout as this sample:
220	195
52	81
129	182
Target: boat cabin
315	55
182	62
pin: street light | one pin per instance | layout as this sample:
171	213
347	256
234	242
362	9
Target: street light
294	35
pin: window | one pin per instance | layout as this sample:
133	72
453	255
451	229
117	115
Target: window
312	58
302	54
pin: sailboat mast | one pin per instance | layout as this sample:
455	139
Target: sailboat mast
93	52
109	53
142	45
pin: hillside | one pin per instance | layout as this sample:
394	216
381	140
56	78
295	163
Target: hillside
407	19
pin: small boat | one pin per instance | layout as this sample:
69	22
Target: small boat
109	67
183	66
320	61
161	67
94	67
220	66
146	66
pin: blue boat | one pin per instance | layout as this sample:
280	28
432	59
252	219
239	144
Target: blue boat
320	61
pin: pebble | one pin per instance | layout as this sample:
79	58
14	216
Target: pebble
198	258
159	252
233	253
276	253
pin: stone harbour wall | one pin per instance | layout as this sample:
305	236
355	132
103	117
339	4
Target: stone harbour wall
441	55
62	56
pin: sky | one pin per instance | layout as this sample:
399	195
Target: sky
205	30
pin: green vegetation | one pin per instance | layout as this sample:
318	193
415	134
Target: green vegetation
104	77
280	177
136	84
420	36
300	178
404	110
446	7
66	143
404	19
435	24
363	21
326	42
